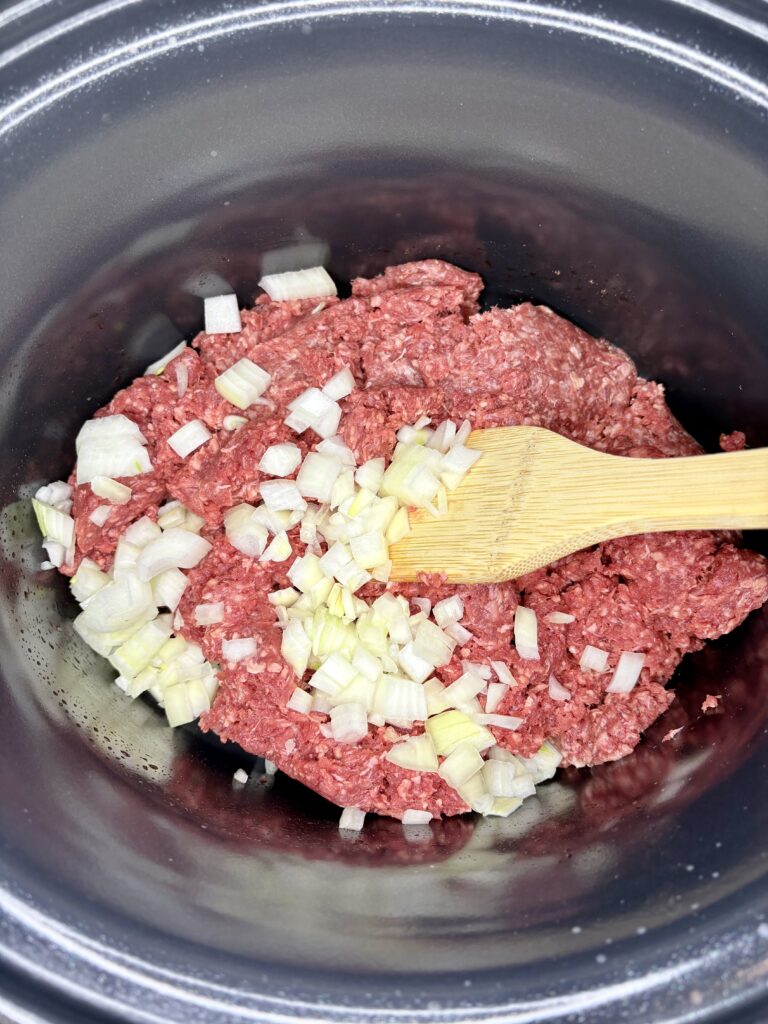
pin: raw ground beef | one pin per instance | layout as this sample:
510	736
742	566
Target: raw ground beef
418	345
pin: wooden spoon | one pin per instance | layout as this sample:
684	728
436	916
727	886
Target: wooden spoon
534	497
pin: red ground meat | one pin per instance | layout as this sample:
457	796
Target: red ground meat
417	346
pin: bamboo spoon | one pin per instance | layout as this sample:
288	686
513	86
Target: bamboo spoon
534	497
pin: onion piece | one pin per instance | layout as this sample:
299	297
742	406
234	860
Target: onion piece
560	618
503	673
240	777
280	459
502	780
462	690
416	754
460	765
399	700
370	474
278	550
296	647
314	282
544	762
399	526
120	605
243	383
112	490
477	668
415	668
370	549
443	437
456	463
54	525
244	530
352	819
239	648
137	652
458	633
494	696
340	385
282	495
222	314
87	580
500	721
526	633
556	690
167	588
627	672
233	422
317	476
189	438
432	644
156	368
335	446
413	816
182	379
474	793
141	532
349	723
300	701
209	614
305	572
450	728
463	432
448	611
593	659
175	548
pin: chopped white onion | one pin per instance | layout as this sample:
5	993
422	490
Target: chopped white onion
349	723
296	647
314	282
370	549
167	588
282	495
416	754
100	514
317	476
209	614
432	644
415	668
456	463
335	446
305	572
233	422
239	648
222	314
141	532
627	672
556	689
448	611
87	580
110	446
399	526
400	700
593	659
175	548
112	490
526	633
243	383
458	633
278	550
340	385
189	438
120	605
502	673
443	437
182	379
560	618
352	819
450	728
240	777
494	696
300	701
460	765
370	474
413	816
312	408
500	721
156	368
502	779
280	459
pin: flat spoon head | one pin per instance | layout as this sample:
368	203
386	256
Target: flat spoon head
535	497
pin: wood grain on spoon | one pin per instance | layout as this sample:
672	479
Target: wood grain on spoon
535	497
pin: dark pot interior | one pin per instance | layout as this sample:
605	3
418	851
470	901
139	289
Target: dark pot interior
604	165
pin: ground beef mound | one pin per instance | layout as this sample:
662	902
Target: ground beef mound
418	345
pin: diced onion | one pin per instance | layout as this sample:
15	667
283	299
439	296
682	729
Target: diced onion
222	314
556	690
188	438
340	384
502	672
335	446
282	495
156	368
175	548
458	633
456	463
141	532
280	459
432	644
110	446
312	408
460	765
544	762
560	618
136	653
314	282
503	780
244	530
415	668
399	527
400	700
300	701
120	605
305	572
182	379
349	723
443	437
370	549
112	490
463	690
526	633
296	647
500	721
100	515
54	525
370	474
167	588
627	672
87	580
593	659
233	422
413	816
494	696
450	728
239	648
416	754
478	668
240	777
278	550
317	476
209	614
243	383
448	611
352	819
333	675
